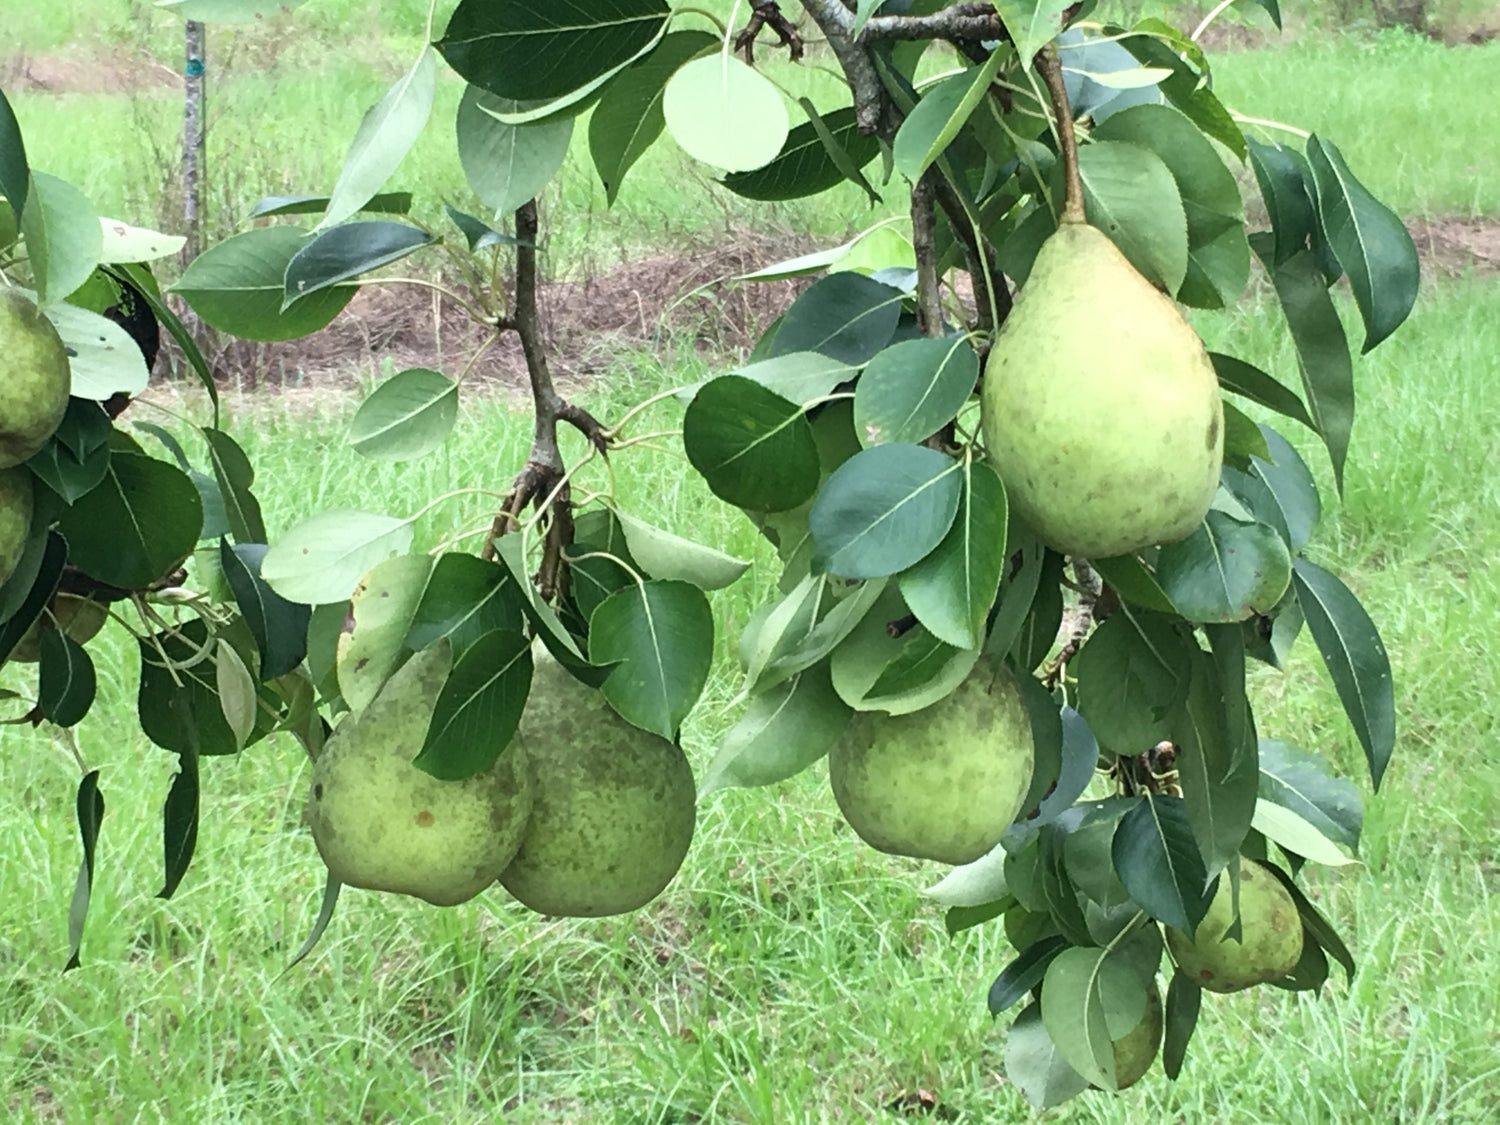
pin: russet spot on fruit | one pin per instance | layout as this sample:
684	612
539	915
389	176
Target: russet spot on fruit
1271	942
941	783
1101	409
34	391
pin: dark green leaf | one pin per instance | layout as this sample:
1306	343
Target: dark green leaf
956	919
90	811
1310	973
927	131
507	164
1239	377
386	202
1355	657
885	509
31	587
1157	859
66	681
1315	923
1058	892
68	472
522	49
477	233
1298	780
141	521
1034	1065
1132	673
1130	195
331	890
1184	997
179	823
342	253
479	707
15	174
279	626
1290	486
1024	973
179	707
235	474
465	598
1127	576
1226	570
1216	767
911	390
1159	44
1037	634
1370	242
544	620
661	635
753	447
845	316
140	278
1088	1000
952	589
1079	757
1279	174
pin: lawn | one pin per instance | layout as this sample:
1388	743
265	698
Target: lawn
790	974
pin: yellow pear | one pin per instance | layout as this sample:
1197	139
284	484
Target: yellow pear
383	824
34	391
941	783
1101	409
1271	942
15	518
615	805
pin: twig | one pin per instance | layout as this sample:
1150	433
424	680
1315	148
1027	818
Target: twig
836	23
1091	588
1049	66
767	13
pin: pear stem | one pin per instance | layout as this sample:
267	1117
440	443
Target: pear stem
1049	66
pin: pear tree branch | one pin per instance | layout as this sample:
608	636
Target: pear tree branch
1049	66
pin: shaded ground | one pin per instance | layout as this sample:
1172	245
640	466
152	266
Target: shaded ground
85	71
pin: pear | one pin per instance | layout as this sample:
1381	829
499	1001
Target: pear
1271	942
78	617
1136	1050
615	805
1100	407
34	392
15	518
383	824
941	783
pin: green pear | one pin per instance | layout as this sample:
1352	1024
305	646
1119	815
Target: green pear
1100	407
1271	942
383	824
615	805
78	617
941	783
34	392
15	518
1136	1050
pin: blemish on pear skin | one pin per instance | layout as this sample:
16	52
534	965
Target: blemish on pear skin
425	818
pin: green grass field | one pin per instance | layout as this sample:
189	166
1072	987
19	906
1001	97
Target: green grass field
790	974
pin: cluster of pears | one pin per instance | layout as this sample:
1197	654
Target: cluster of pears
1101	409
942	783
33	398
581	815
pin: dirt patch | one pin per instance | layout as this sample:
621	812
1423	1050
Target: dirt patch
69	71
1450	247
684	299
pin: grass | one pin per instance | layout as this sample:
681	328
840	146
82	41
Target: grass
790	974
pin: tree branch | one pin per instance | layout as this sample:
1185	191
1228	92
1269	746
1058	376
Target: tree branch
971	23
1049	66
836	23
767	13
924	244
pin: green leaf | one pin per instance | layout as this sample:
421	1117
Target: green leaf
912	389
1218	255
385	136
1159	44
1355	657
661	634
179	824
465	598
1133	581
799	377
1216	765
410	414
1322	353
30	588
382	609
753	447
1031	23
66	682
1369	240
1291	488
544	619
63	238
1088	1000
179	707
818	155
781	733
1035	1066
952	589
1024	973
1132	673
629	116
1130	195
1241	378
479	707
141	521
140	278
76	457
386	202
1317	926
103	358
884	509
845	316
1226	570
973	884
228	11
278	626
507	165
725	113
593	576
1184	997
237	695
331	888
344	252
323	558
238	287
90	811
1282	188
664	555
1298	780
802	629
235	475
1157	859
522	49
928	130
1297	836
15	174
478	234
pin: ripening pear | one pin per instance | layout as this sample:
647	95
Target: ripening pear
941	783
15	518
1271	932
383	824
615	805
1101	409
78	617
34	389
1136	1050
